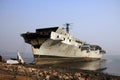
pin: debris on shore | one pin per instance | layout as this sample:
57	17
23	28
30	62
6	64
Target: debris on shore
35	72
1	59
17	60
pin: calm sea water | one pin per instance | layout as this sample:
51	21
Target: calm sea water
109	64
113	64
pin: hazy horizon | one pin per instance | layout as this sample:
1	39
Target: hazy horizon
93	21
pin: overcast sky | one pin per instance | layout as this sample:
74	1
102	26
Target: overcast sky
93	21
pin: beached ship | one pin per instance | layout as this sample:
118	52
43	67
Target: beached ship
55	44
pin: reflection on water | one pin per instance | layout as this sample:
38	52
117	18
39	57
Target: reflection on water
92	65
98	65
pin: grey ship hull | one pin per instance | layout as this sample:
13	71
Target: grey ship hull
54	45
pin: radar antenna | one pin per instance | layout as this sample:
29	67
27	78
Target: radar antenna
67	25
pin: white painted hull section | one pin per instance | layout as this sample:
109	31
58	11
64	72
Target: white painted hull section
60	49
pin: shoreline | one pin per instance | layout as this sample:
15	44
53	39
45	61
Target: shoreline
40	72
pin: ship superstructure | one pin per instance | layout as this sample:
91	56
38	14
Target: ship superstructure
56	44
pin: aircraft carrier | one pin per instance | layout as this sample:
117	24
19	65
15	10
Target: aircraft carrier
55	44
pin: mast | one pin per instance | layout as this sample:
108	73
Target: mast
67	27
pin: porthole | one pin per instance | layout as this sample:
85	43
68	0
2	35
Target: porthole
79	46
58	36
69	40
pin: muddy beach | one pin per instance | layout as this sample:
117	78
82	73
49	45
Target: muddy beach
49	72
